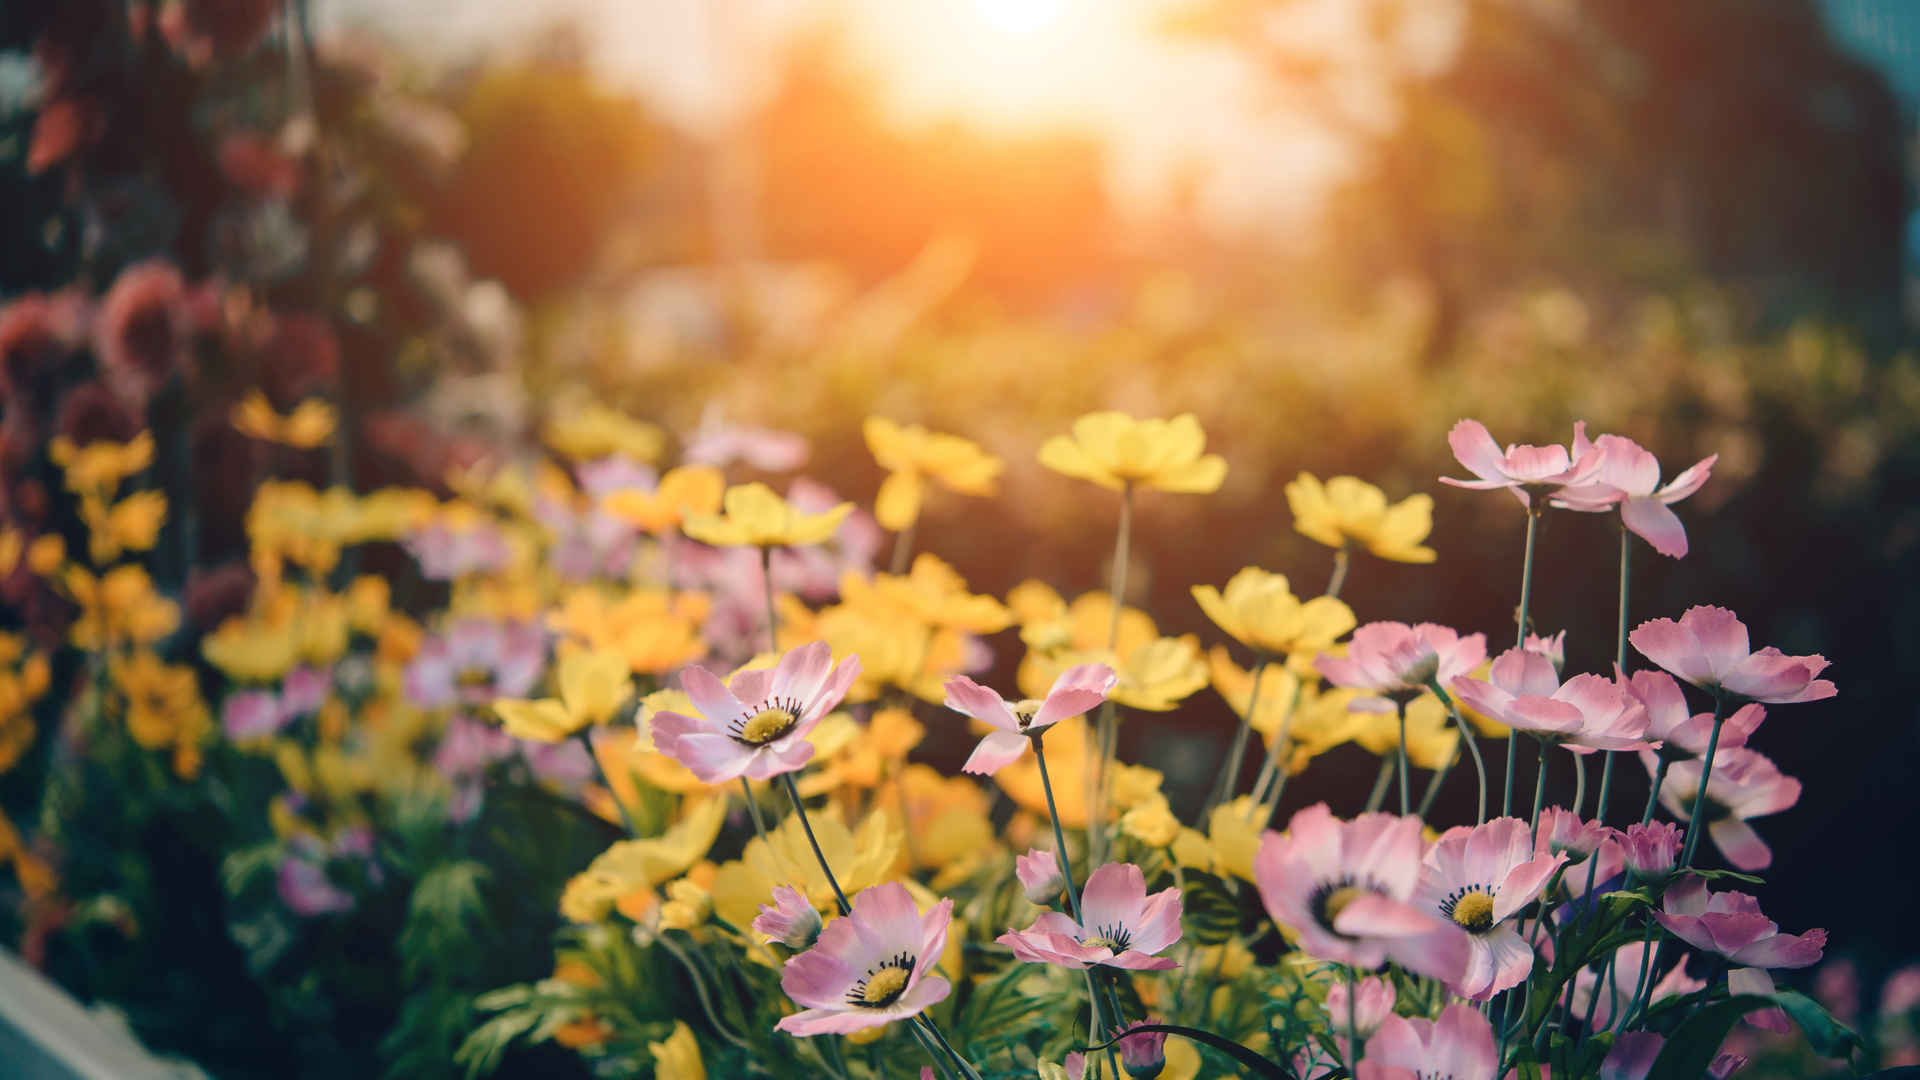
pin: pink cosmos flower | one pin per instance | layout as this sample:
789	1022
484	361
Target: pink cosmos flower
1584	714
756	727
789	920
1123	928
1623	977
1040	876
446	554
1746	784
1708	648
1603	868
1563	830
1680	731
475	661
1519	469
251	714
1372	1002
306	890
1629	477
1347	889
870	968
615	472
718	443
1480	877
1392	657
585	543
1458	1046
1078	690
1653	849
1553	648
1730	924
1900	994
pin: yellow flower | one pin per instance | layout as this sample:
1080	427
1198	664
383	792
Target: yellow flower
1114	450
753	514
1134	785
1278	689
119	606
859	859
911	454
1261	613
597	431
252	649
688	491
100	466
654	632
1235	840
932	593
907	657
1431	736
1067	767
946	818
1049	624
309	424
1152	823
368	604
636	865
1347	509
1154	676
46	554
678	1057
164	709
593	685
688	905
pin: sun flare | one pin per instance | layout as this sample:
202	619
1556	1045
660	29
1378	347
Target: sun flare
1019	16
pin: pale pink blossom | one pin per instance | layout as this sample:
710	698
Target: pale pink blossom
1708	648
1553	648
789	920
1523	470
1120	926
1358	1011
1077	690
447	554
475	661
1563	830
758	726
1756	981
1480	877
1629	477
1623	978
251	714
1347	888
718	443
1680	731
1584	714
1458	1046
1730	924
1653	849
1394	658
1746	784
1040	876
872	967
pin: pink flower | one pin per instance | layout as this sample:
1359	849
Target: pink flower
1749	980
1553	648
306	890
446	554
758	726
305	690
1680	731
142	328
1346	888
1123	927
1458	1046
1040	876
1480	877
1392	657
790	920
1623	977
1653	850
1372	1002
1078	690
871	967
1746	784
1563	830
475	661
251	714
37	333
1144	1054
718	443
1584	714
1900	994
1604	868
1632	1055
1708	648
1520	469
1730	924
1629	477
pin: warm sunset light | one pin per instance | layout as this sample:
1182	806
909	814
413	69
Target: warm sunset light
1019	16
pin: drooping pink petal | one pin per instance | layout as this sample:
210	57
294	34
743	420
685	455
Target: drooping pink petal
995	752
969	697
1651	520
1742	846
1688	481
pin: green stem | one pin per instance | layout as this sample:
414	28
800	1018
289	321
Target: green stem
800	809
1339	578
753	808
1579	783
1698	810
1473	748
1653	795
1229	777
1619	666
1406	801
940	1038
1109	736
1539	789
1059	835
1272	774
773	613
902	547
1520	639
920	1036
1379	792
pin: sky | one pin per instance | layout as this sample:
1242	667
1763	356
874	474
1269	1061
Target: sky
1102	65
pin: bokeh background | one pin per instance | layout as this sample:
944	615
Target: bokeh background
1330	228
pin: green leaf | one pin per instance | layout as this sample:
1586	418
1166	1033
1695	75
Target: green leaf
1828	1036
1209	910
1692	1046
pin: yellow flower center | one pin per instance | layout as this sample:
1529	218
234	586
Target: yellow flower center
1338	899
1474	911
884	987
473	678
765	726
1025	711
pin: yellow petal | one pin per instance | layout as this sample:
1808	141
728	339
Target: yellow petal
898	504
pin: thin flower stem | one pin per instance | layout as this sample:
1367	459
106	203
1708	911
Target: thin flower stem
773	614
1123	537
902	547
1421	809
626	819
1406	801
753	808
1699	808
1619	665
1339	577
1473	748
1109	735
940	1038
1520	640
1379	792
1230	776
920	1036
1272	775
1059	835
1579	783
1539	790
799	808
1353	1024
700	993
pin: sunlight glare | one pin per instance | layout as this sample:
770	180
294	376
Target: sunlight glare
1019	16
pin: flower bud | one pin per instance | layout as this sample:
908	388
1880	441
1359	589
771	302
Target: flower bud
1143	1055
1372	1003
1562	830
790	920
1040	876
1652	850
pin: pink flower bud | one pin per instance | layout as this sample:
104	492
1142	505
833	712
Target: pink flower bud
1143	1055
790	920
1040	876
1653	849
